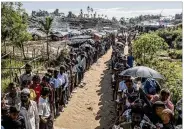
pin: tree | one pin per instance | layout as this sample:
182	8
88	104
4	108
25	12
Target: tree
14	24
56	12
106	16
45	27
146	46
88	9
92	10
122	21
81	13
95	14
71	15
114	19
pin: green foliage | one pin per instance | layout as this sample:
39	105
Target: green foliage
14	24
46	24
7	75
172	71
146	46
178	42
170	36
175	54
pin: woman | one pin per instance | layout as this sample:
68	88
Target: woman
165	98
167	119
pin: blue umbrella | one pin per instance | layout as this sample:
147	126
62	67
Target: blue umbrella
141	71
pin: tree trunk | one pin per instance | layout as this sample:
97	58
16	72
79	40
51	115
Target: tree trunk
5	46
23	52
47	48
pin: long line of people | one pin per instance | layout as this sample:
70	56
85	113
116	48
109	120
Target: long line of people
34	102
141	103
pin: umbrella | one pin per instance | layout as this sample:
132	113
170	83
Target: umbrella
141	71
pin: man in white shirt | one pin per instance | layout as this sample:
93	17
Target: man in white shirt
27	75
62	76
28	109
46	120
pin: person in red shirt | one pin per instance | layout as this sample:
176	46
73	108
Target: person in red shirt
36	87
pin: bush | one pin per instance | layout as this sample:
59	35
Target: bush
146	46
175	54
172	71
170	36
178	42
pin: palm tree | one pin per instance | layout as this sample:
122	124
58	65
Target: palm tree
105	16
45	27
88	9
95	14
92	10
81	13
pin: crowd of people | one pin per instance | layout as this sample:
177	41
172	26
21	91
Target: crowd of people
35	101
141	103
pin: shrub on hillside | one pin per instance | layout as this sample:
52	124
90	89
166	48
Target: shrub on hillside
172	71
175	54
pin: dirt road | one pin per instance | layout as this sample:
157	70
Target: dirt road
91	107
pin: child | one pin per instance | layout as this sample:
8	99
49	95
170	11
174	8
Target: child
167	119
36	87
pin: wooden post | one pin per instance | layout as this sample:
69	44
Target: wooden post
27	50
34	57
57	52
10	59
13	51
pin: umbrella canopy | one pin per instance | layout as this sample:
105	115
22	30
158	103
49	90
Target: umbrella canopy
142	71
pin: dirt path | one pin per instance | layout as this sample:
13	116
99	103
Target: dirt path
91	107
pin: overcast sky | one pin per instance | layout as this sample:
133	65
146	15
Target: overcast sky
118	9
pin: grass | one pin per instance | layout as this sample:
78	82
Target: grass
7	75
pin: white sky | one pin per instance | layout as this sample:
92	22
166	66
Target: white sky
117	9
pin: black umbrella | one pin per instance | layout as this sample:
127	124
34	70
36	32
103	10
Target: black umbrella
141	71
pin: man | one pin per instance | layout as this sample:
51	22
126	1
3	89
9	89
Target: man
82	66
13	120
46	119
27	75
130	59
129	93
137	119
64	84
29	110
13	96
122	85
126	115
122	63
56	84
